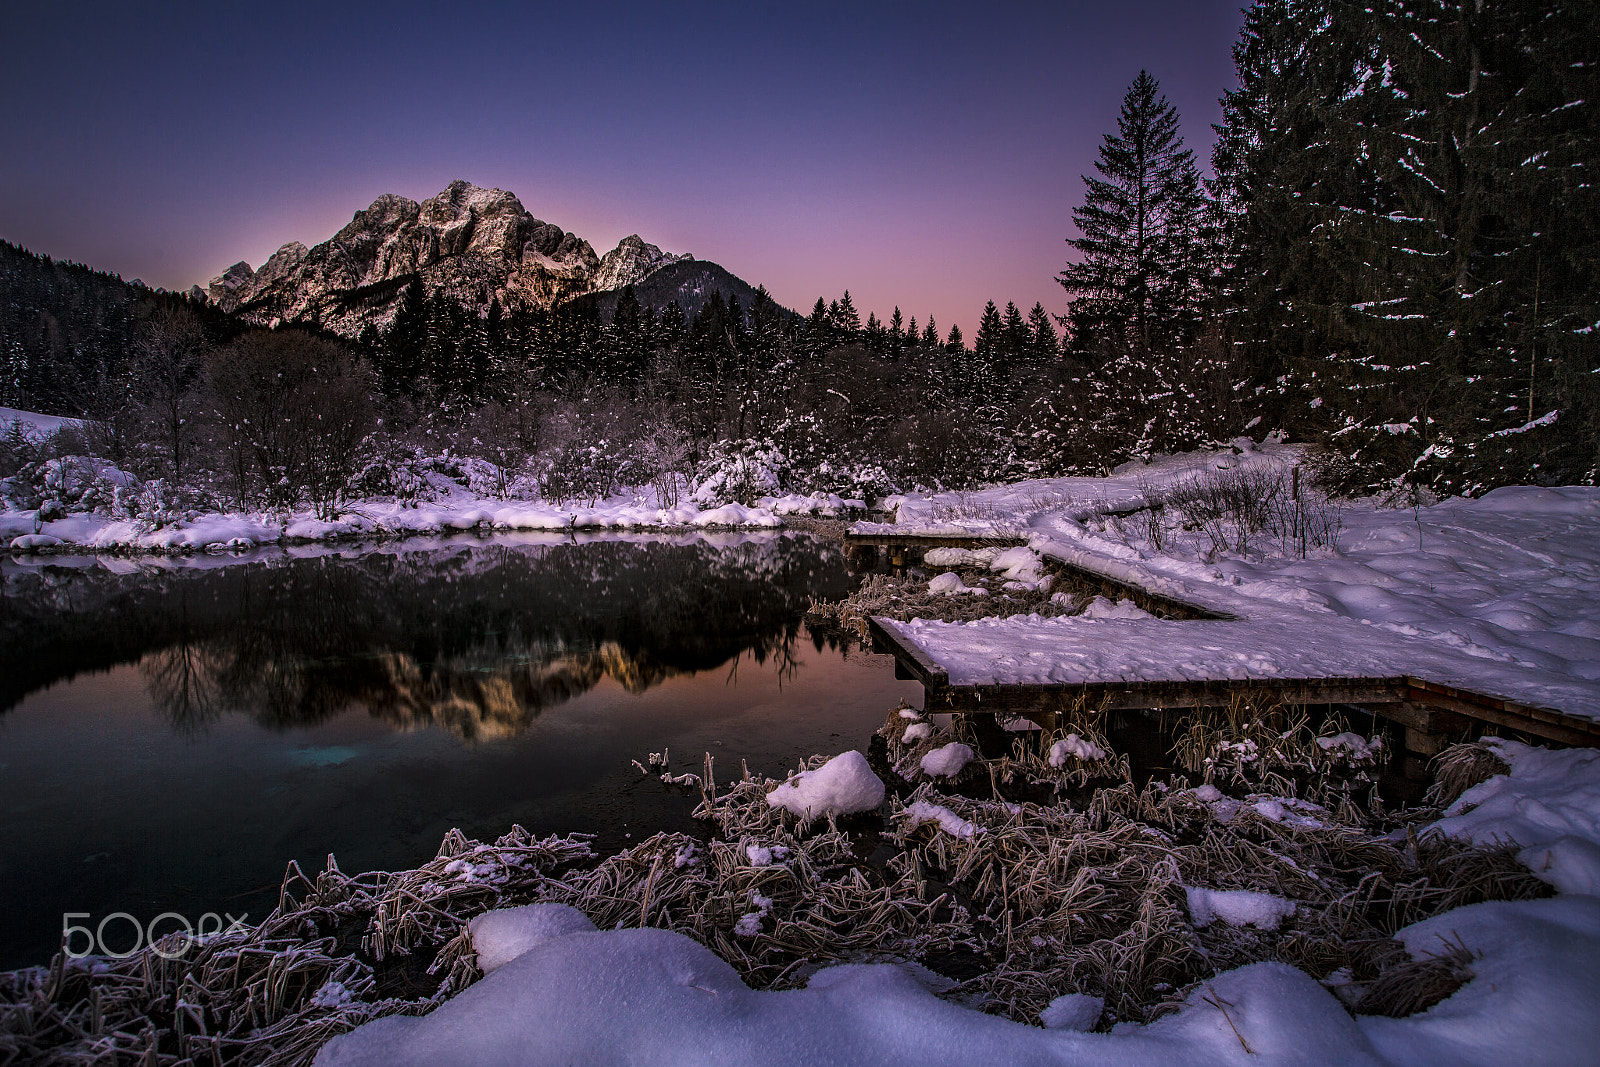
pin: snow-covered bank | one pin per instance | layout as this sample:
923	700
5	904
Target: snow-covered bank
24	532
656	997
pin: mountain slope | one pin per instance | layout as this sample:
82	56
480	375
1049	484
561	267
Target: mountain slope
688	281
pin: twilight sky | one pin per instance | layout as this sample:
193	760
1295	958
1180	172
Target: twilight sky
925	155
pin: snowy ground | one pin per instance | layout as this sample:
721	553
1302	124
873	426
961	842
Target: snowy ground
557	990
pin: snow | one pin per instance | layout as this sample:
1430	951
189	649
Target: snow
1237	907
923	811
947	761
1531	1000
500	936
1503	599
1549	805
33	422
1101	608
917	731
368	518
950	584
844	785
1072	1011
648	997
1354	746
827	505
1073	745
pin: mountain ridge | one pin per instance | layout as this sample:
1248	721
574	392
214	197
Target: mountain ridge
470	243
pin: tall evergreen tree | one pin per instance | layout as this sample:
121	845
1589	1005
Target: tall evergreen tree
1142	262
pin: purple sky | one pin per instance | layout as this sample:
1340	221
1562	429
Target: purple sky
916	154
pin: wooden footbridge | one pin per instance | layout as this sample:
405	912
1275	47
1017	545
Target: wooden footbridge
1195	655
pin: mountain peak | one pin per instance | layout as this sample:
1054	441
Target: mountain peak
471	243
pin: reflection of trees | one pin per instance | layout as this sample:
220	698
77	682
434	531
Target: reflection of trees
476	641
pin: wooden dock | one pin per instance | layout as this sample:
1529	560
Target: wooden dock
1431	714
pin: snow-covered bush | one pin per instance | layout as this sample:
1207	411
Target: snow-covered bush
740	472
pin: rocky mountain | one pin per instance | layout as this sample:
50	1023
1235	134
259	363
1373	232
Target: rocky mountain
469	243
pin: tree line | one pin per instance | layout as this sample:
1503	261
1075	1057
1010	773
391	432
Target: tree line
1393	255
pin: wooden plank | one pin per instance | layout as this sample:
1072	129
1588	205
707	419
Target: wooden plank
930	674
1553	726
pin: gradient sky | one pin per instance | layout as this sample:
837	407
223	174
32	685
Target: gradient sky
924	155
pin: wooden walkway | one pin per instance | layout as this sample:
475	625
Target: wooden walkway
1431	713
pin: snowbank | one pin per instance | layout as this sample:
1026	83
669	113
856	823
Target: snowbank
845	785
1549	804
923	811
647	997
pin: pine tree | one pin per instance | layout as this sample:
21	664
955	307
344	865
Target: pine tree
1042	345
1137	283
846	320
406	341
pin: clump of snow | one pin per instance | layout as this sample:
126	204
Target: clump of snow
925	811
1237	907
950	584
1207	794
765	855
749	924
500	936
1023	569
1549	804
917	731
910	713
1352	746
959	557
1101	608
1290	811
844	785
1072	1011
331	994
947	761
1073	745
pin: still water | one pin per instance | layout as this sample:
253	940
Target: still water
172	734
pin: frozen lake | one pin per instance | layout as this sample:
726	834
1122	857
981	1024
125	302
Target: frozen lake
174	732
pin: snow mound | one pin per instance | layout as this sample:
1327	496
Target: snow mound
1073	745
844	785
1072	1011
1549	804
917	731
1101	608
648	997
500	936
1237	907
947	762
950	584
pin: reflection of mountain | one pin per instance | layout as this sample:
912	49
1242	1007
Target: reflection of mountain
476	640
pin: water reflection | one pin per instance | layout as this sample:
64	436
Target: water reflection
474	639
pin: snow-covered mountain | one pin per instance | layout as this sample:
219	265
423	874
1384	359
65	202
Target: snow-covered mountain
468	242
